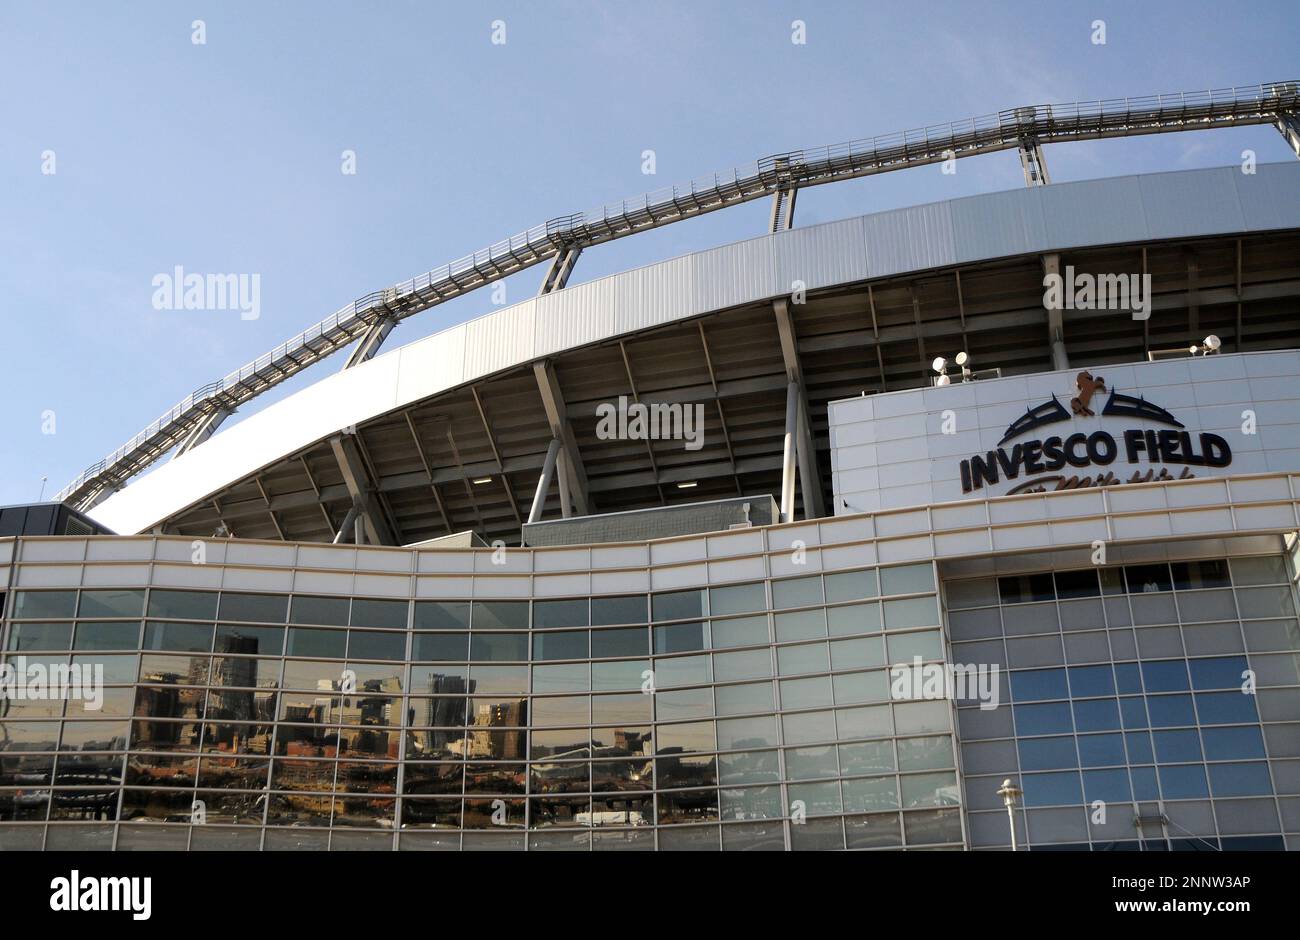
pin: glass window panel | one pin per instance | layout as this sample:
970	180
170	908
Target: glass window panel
685	703
619	675
1091	681
1051	718
1146	579
379	613
1266	569
559	711
680	638
806	693
857	687
904	647
746	733
24	637
249	640
678	605
326	611
178	637
630	641
184	605
796	592
564	644
499	680
441	615
566	613
925	753
1034	685
1052	789
907	579
818	799
630	708
809	727
1138	745
440	646
688	806
1101	714
1176	746
33	604
112	603
681	670
1023	589
929	790
307	641
737	599
1232	743
1169	675
174	670
870	795
498	647
748	767
1169	711
1075	584
854	619
684	738
1224	708
268	608
911	612
1240	780
1128	678
621	775
751	803
1101	750
742	699
564	677
922	717
376	644
1109	786
1183	782
852	586
857	654
618	610
1047	753
800	625
809	763
1219	673
743	664
1200	574
868	757
499	615
676	771
810	657
742	631
871	722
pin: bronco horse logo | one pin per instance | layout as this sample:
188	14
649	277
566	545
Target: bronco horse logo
1088	386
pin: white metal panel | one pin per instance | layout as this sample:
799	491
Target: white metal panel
735	274
997	225
1198	202
575	317
910	239
654	295
820	255
431	365
1270	197
1094	212
499	340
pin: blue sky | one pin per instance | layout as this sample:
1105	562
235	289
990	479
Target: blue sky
225	157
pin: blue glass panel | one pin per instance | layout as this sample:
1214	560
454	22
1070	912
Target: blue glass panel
1047	753
1036	685
1144	783
1101	750
1053	718
1139	747
1240	779
1232	743
1173	747
1110	786
1222	672
1165	675
1226	708
1052	789
1169	711
1128	678
1184	782
1089	681
1097	715
1134	710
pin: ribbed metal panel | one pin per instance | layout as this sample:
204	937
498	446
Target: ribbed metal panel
499	340
654	295
1097	212
821	255
1197	203
574	316
997	225
735	274
909	239
431	365
658	523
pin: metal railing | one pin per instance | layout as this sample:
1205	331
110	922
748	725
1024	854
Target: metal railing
1256	104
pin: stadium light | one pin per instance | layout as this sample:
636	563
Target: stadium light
1010	793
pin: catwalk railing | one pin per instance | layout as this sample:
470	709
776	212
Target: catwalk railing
1093	120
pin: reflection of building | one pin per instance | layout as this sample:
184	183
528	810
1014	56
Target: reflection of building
500	730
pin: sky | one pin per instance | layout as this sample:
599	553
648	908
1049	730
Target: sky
227	155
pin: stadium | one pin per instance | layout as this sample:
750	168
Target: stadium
641	563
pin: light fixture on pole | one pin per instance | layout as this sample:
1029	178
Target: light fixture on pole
1209	345
1010	793
963	359
940	365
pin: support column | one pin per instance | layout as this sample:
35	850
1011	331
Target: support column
1055	317
361	488
789	451
202	431
553	402
370	341
1289	125
809	475
544	481
561	463
557	275
1033	163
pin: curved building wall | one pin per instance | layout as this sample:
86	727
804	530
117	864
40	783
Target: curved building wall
723	691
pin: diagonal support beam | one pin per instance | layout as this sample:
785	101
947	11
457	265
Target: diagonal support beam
1033	163
557	275
361	487
553	402
202	431
1289	125
810	479
370	341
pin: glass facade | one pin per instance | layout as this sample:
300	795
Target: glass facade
752	715
1146	707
